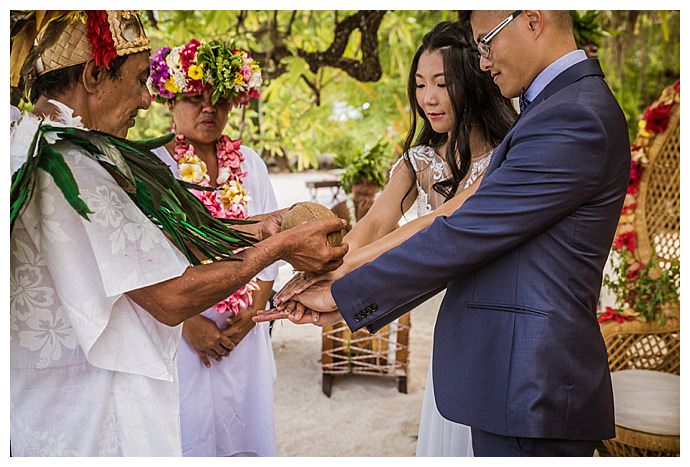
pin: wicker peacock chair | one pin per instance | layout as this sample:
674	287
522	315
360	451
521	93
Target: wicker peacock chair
636	345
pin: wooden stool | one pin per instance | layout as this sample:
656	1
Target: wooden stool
385	353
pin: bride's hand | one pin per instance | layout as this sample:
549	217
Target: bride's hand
301	281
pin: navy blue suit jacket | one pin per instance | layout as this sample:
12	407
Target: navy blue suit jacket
517	347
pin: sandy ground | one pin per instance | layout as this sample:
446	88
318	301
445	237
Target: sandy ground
365	415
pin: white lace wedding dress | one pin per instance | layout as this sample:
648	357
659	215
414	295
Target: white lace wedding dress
439	437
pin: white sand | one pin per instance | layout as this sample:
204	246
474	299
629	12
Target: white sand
366	415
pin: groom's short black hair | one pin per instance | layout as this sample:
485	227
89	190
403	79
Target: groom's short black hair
564	18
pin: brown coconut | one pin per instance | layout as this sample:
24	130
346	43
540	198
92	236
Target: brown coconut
306	211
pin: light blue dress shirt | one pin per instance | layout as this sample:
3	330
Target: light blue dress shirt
553	70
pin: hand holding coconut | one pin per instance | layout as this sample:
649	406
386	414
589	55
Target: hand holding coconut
312	237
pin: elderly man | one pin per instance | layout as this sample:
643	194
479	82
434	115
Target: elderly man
95	304
518	355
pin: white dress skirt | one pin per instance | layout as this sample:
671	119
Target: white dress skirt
438	437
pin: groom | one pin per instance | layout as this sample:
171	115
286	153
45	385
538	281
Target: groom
518	354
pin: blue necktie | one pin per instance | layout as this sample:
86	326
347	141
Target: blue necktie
524	102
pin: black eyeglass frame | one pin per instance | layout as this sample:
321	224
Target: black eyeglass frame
483	46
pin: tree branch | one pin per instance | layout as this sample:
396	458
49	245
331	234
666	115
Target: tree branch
366	69
315	88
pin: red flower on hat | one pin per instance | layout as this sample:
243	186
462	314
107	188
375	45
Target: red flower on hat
100	37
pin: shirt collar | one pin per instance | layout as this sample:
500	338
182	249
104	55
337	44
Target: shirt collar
553	70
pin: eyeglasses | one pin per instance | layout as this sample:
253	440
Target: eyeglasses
483	45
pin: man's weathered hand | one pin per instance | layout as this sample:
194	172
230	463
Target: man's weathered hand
270	223
306	246
265	226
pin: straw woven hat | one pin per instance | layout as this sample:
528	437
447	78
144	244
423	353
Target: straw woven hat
48	40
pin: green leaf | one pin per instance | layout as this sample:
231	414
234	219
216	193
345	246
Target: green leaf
153	143
52	162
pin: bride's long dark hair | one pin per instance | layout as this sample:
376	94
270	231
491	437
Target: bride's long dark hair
475	99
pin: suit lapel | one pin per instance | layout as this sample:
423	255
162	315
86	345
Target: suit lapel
589	67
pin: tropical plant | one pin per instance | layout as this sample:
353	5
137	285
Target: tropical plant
646	290
369	164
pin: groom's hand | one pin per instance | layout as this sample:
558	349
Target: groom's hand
318	298
314	305
298	314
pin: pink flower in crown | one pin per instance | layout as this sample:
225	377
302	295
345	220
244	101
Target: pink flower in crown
196	86
188	53
246	72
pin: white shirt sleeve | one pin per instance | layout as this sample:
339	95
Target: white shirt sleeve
93	263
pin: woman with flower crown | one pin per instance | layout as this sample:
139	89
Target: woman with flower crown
225	361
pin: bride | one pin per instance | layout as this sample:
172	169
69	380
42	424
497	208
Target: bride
463	117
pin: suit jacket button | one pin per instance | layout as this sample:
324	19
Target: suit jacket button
374	306
368	309
358	318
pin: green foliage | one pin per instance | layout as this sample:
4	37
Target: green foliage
303	116
371	164
640	57
217	59
587	28
648	290
291	121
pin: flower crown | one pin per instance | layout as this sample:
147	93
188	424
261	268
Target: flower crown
187	69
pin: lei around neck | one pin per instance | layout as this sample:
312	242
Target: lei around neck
228	201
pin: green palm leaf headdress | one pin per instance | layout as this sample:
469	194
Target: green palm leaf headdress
147	180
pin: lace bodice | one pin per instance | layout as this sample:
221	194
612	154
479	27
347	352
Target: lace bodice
430	168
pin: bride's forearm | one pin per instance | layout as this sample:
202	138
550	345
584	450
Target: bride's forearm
360	256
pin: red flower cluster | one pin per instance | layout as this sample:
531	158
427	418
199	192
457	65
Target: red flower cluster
100	37
610	313
635	175
657	118
626	239
634	270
